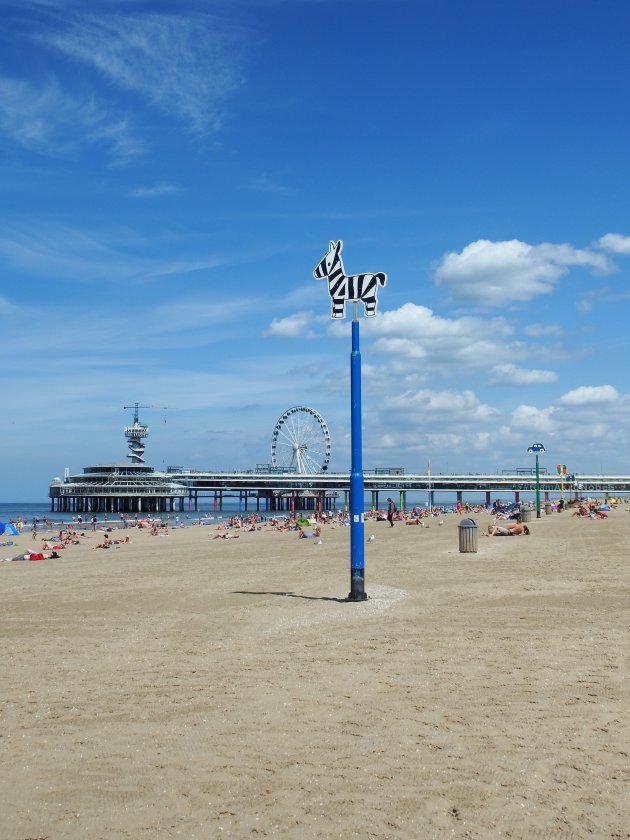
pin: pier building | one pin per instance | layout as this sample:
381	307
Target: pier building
117	488
120	488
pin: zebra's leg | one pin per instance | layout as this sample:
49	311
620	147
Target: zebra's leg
338	307
369	307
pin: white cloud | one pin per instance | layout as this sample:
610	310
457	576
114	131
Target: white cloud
482	441
503	274
615	243
459	407
529	419
509	374
415	333
590	395
184	66
299	325
583	306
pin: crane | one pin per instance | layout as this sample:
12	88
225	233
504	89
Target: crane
136	433
136	406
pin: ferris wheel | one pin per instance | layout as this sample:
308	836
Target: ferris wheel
301	441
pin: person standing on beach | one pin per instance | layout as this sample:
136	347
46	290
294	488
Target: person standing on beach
392	510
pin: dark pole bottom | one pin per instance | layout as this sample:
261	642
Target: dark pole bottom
357	586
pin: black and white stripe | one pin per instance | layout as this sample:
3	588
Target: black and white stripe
343	287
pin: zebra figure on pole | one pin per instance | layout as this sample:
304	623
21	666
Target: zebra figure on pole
343	287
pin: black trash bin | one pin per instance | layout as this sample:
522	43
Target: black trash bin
468	536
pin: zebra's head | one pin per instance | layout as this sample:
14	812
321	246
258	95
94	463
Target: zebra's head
332	258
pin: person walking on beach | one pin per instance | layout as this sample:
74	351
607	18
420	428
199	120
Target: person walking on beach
392	510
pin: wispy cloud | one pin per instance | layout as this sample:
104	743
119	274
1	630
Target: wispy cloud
69	253
509	374
264	183
47	120
184	66
6	307
540	330
153	192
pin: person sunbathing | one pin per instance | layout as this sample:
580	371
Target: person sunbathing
302	535
581	511
31	555
226	536
514	530
106	542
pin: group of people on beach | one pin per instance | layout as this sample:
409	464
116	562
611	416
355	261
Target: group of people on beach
61	540
592	511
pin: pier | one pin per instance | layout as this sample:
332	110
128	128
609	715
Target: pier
136	487
133	488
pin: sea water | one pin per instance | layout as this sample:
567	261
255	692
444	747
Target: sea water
28	511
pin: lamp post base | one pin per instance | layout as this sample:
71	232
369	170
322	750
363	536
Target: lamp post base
357	586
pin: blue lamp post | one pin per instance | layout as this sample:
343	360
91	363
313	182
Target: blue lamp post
536	449
357	525
341	288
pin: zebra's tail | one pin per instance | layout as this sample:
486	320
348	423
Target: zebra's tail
381	278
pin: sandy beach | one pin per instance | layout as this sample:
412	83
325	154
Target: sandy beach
184	687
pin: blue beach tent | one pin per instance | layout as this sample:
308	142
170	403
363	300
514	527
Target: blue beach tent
8	529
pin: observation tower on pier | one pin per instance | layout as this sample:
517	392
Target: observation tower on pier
136	435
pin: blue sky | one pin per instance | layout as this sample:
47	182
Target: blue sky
172	172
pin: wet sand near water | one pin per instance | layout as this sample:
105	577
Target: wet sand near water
184	687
